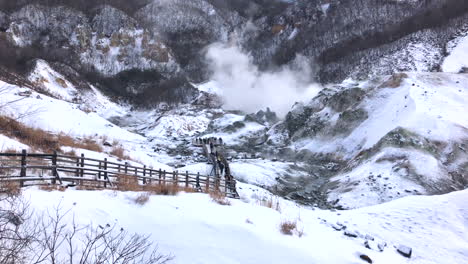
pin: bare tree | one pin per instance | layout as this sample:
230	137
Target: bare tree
18	228
51	238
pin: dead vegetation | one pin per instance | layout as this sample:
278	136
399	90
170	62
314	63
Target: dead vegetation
287	227
394	81
219	198
290	228
119	152
10	187
50	237
130	183
52	187
272	202
44	140
142	198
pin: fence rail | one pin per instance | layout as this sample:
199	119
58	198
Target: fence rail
38	168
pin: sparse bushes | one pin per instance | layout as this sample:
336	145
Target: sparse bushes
40	139
128	183
52	187
119	152
395	80
142	198
290	228
219	198
27	135
49	238
287	227
271	202
10	187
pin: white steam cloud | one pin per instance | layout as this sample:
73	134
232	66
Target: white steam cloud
244	87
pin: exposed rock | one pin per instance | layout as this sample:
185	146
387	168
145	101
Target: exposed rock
365	258
350	233
381	246
405	251
343	100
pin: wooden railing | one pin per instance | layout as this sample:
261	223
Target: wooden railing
37	169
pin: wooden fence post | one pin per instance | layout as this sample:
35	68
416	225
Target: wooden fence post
186	179
160	175
54	167
136	175
174	178
144	174
82	167
207	187
99	172
198	181
164	177
105	172
23	166
151	175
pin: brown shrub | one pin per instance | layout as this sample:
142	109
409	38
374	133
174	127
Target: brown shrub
142	198
89	186
271	202
162	189
52	187
128	183
119	152
41	139
66	140
10	187
287	227
394	81
87	143
30	136
219	198
90	144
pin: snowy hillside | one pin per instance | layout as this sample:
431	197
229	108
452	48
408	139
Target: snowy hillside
196	230
234	131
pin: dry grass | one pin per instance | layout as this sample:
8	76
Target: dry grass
89	187
52	187
27	135
395	80
41	139
288	227
87	143
271	202
162	189
119	152
90	144
220	198
10	187
142	198
128	183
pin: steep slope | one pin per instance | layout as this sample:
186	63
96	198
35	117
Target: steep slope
394	137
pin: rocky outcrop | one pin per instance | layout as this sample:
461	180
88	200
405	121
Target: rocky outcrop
344	38
359	37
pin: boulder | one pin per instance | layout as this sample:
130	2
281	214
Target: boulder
350	233
405	251
365	258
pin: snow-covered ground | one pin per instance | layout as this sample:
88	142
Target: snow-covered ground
430	104
197	230
456	60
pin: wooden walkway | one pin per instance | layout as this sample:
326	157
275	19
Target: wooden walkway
38	169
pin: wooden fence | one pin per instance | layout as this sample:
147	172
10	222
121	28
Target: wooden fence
37	169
